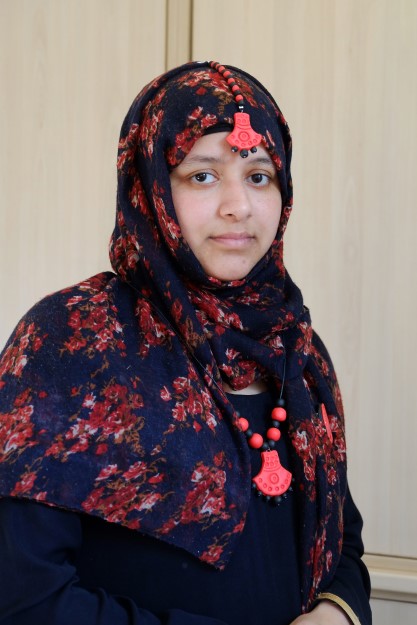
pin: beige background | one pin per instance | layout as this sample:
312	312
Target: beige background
344	74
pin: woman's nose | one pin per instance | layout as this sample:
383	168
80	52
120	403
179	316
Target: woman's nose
234	200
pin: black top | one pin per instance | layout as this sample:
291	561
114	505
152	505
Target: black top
59	567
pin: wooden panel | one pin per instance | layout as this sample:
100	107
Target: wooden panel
179	14
344	74
393	578
389	612
69	71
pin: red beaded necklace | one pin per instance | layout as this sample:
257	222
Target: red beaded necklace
273	480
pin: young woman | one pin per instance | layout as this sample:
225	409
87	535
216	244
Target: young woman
172	437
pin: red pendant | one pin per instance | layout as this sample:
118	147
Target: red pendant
243	135
273	479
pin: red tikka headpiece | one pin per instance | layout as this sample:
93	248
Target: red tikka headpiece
243	137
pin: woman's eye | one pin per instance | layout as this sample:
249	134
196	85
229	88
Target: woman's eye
203	177
259	179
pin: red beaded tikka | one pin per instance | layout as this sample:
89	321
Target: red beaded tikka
243	137
273	480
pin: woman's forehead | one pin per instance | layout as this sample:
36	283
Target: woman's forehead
213	148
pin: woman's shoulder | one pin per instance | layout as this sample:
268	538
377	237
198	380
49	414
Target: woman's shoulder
50	313
63	322
92	289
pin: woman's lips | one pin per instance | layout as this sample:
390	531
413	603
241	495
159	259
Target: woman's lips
233	239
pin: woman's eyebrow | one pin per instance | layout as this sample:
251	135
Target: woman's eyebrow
203	158
262	160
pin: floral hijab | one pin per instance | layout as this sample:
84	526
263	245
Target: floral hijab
111	399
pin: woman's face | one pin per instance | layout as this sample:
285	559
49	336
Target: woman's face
228	207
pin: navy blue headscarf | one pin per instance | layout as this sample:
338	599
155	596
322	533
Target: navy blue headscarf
111	399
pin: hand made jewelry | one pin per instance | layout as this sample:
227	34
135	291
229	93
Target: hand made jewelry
273	480
243	137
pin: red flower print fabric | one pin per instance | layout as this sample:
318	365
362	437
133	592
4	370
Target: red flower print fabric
111	399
